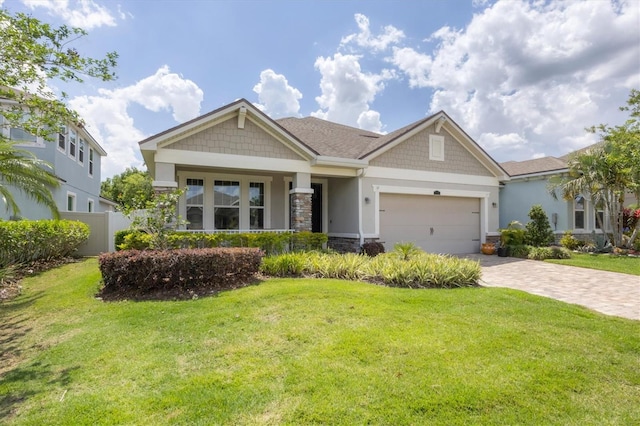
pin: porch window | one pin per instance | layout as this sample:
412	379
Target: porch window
226	204
578	212
195	203
256	202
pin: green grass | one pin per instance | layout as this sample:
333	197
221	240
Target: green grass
603	262
303	351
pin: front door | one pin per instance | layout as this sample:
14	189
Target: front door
316	207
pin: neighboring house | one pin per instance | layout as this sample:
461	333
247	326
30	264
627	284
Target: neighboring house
76	158
529	185
428	182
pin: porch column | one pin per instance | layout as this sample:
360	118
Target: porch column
301	202
165	178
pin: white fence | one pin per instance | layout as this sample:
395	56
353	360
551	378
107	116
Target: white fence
103	227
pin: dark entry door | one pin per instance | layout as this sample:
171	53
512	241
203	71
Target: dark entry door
316	207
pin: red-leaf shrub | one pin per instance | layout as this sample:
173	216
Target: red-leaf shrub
372	248
136	272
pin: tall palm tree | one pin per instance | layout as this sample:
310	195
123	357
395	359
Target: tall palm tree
27	173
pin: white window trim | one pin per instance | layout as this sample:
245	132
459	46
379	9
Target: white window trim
585	223
209	181
74	202
91	162
66	139
436	147
204	198
91	202
81	143
75	155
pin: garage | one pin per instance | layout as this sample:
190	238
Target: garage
437	224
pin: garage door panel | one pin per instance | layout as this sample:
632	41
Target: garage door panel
436	224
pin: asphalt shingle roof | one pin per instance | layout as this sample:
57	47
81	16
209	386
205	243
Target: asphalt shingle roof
538	165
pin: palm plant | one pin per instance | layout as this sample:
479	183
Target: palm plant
27	173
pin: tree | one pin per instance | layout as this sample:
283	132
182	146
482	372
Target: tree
25	171
131	189
605	173
159	218
538	231
32	54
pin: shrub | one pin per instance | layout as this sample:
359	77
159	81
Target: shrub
308	241
570	242
405	251
542	253
520	250
372	248
422	270
137	272
538	232
513	235
26	241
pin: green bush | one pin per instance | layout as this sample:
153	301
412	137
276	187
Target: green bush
538	232
520	250
513	235
542	253
570	242
29	240
143	272
269	242
422	270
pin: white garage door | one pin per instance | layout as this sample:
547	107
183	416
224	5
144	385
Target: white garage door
436	224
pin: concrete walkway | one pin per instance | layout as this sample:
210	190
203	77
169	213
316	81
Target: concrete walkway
610	293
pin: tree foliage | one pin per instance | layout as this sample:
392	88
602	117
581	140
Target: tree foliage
23	170
538	230
131	189
32	54
606	172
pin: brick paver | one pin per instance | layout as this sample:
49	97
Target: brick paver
610	293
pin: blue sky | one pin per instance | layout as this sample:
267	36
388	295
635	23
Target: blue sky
523	78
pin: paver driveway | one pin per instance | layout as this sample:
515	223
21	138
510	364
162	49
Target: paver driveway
611	293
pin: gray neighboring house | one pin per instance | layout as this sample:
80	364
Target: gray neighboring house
76	158
529	185
428	182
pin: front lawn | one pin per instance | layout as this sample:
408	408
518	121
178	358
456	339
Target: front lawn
603	262
301	351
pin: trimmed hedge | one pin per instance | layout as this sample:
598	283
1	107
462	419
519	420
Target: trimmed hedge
269	242
26	241
140	272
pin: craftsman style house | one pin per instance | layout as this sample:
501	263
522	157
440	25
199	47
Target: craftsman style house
428	182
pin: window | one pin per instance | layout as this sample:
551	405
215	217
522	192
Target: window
436	147
226	203
81	151
62	139
71	202
90	161
256	203
20	135
599	217
90	206
195	203
578	212
72	143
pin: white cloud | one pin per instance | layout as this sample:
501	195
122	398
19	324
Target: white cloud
542	71
364	38
347	92
86	14
277	98
108	119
